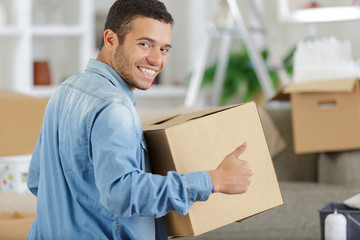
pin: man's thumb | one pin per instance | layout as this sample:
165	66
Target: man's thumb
240	150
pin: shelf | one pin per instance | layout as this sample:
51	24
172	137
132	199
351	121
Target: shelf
159	91
57	30
156	91
42	91
45	12
10	31
45	31
160	96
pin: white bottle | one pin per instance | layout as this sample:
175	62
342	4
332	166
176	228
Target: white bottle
335	226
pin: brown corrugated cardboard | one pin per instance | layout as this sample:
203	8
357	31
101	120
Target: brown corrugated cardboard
343	85
15	225
325	115
20	122
200	141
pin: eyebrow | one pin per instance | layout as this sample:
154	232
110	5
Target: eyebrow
152	40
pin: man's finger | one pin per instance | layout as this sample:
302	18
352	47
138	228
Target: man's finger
240	150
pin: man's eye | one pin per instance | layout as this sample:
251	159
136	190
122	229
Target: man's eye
165	50
144	44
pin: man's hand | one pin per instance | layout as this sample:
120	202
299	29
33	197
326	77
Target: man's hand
233	175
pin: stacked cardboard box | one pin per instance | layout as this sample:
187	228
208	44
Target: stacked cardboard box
325	115
20	123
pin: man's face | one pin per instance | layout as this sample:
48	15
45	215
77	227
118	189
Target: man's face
143	54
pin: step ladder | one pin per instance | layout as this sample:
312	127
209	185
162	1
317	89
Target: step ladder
235	27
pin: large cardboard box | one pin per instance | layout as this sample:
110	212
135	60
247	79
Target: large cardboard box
325	115
15	225
20	122
200	141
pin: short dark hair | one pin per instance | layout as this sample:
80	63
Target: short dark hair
122	12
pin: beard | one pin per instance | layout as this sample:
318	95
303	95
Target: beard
121	66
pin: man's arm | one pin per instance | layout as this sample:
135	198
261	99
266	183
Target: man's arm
126	190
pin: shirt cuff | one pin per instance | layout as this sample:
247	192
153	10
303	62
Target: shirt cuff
198	186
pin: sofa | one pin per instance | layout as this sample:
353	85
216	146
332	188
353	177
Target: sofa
308	182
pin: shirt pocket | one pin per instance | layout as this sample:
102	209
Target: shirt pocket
144	161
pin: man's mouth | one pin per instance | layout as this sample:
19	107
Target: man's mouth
147	71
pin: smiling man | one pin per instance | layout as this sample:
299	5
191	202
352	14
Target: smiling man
90	168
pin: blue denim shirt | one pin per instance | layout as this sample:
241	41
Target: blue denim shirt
90	168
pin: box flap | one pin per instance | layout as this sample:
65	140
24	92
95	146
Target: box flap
340	85
343	85
170	121
157	123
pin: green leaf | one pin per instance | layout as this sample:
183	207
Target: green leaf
240	72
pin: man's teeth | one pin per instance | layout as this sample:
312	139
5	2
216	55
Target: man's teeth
148	71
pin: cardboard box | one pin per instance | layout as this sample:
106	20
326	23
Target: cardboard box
20	122
200	141
15	225
352	219
325	115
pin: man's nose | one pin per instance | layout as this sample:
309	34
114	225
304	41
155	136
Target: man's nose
155	57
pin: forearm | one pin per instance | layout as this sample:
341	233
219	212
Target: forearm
146	194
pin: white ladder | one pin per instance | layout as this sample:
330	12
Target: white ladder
235	25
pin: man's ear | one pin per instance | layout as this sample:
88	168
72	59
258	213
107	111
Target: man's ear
111	40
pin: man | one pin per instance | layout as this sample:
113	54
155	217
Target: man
90	168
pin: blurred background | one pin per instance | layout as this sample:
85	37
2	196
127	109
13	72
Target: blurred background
45	41
224	52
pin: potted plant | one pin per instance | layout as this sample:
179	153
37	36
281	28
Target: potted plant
240	74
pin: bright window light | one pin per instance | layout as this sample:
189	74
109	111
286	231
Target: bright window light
312	15
326	14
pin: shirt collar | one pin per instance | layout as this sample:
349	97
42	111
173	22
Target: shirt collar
108	72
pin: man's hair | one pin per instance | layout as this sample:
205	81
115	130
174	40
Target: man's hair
122	12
